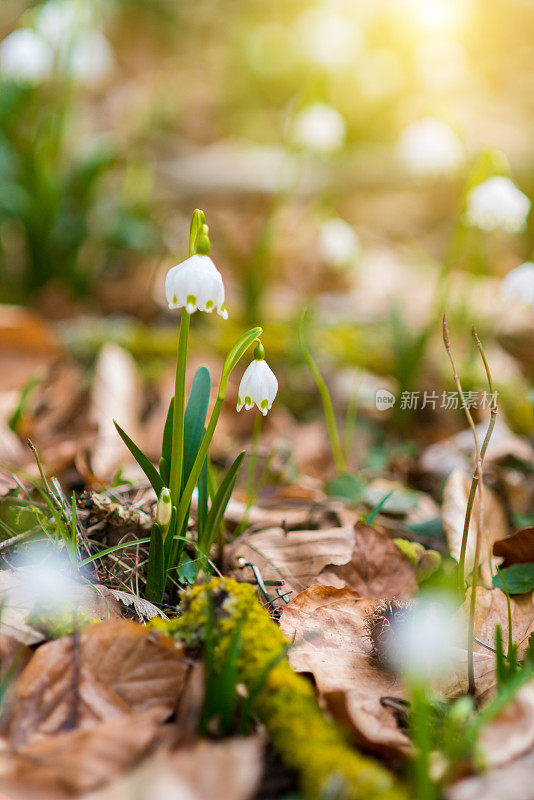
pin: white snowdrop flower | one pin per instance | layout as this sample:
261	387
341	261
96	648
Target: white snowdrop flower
518	284
194	284
497	204
258	384
430	148
25	56
91	58
424	643
319	128
339	243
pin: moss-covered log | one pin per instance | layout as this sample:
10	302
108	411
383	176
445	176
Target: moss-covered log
306	740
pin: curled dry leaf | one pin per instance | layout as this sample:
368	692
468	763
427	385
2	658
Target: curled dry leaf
376	568
77	761
455	496
297	557
116	668
230	769
517	549
360	557
96	602
329	630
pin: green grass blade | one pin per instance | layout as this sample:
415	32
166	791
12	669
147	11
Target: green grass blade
146	465
219	504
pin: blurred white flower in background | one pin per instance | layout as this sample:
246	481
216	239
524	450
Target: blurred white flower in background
339	243
424	643
65	39
44	579
518	284
430	148
497	204
319	128
327	38
26	57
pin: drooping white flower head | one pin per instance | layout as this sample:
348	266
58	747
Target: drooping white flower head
518	284
26	57
258	384
497	204
430	148
319	128
194	284
424	643
339	243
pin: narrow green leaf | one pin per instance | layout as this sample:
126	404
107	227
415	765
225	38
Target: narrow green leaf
164	470
219	504
195	418
146	465
166	445
155	578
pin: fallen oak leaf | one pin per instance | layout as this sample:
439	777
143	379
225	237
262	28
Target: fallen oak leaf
297	557
78	761
376	568
117	668
230	769
516	549
329	628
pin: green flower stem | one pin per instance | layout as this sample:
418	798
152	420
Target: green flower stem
421	727
236	352
179	410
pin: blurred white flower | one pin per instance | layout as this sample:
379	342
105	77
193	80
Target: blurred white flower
258	385
430	148
424	642
59	21
518	284
25	57
339	243
327	38
497	204
194	284
319	128
44	579
91	59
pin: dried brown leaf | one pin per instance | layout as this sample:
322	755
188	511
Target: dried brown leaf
117	668
377	568
77	761
329	629
230	769
517	549
455	496
512	781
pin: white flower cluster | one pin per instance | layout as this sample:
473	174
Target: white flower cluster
497	204
64	39
430	148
